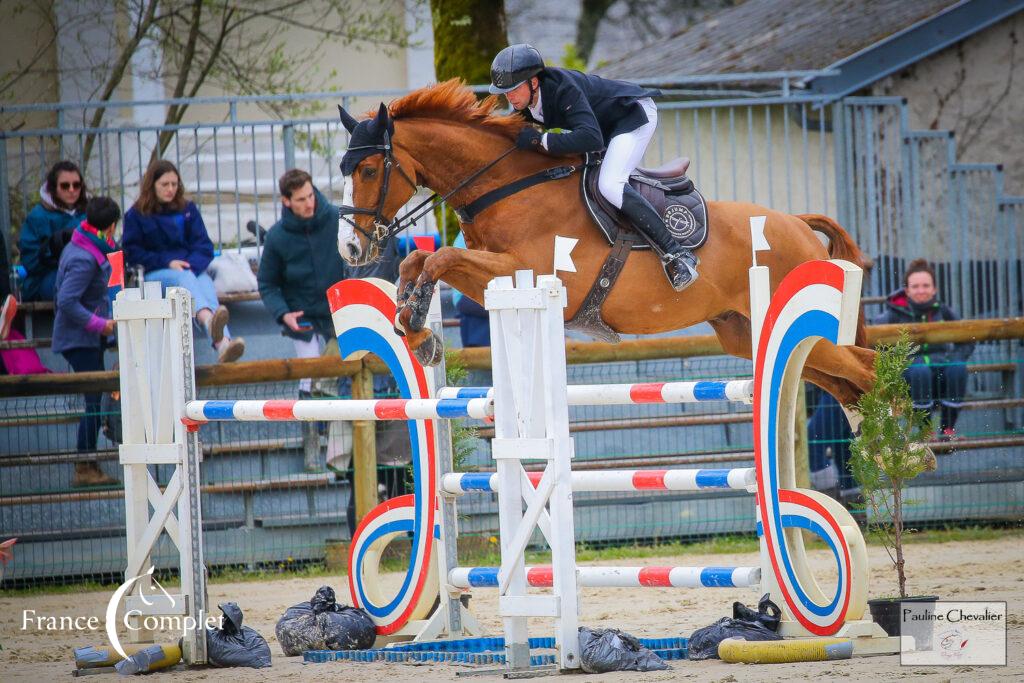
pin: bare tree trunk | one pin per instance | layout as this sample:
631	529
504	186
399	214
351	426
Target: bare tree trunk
897	523
591	14
467	35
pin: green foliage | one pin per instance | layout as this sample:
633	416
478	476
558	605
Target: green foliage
571	58
887	454
463	436
883	454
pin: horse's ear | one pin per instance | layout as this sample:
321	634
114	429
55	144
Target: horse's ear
346	119
384	121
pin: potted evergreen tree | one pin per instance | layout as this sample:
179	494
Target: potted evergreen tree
884	457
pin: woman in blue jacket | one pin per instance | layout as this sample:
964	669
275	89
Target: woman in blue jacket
165	234
48	227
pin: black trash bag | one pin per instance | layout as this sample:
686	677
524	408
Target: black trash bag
344	628
609	649
746	624
323	624
768	613
298	630
234	644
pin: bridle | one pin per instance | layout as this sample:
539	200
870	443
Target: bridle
384	230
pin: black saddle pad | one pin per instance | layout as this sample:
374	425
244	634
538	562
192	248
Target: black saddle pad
682	206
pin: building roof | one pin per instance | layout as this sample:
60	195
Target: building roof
775	35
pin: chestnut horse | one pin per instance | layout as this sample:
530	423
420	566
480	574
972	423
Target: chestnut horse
440	136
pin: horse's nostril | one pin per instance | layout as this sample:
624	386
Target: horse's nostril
353	250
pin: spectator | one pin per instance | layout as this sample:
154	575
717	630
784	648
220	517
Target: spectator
8	304
938	371
48	227
82	322
300	261
165	234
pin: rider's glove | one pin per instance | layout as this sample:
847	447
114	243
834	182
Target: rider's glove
529	138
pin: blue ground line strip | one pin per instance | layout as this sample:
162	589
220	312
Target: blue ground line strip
475	482
717	577
219	410
713	479
478	651
709	391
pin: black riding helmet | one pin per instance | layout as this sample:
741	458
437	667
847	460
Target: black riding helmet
514	65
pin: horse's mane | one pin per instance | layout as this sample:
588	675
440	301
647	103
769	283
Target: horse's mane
453	101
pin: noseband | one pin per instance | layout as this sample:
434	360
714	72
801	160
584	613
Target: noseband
382	230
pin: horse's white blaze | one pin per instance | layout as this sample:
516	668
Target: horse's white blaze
348	243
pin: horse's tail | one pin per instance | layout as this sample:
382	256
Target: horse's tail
841	246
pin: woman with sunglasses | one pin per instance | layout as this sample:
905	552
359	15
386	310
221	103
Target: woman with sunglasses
165	234
48	227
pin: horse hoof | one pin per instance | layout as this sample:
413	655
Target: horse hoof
430	352
397	323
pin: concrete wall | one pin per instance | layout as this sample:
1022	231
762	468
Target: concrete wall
28	42
356	66
976	89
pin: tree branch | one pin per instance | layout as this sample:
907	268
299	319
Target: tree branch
145	22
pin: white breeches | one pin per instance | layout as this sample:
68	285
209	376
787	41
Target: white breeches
624	154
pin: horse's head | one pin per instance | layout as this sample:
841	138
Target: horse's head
376	187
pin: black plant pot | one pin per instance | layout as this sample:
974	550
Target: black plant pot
886	613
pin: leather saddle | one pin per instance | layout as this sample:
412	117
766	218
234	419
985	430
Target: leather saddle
667	188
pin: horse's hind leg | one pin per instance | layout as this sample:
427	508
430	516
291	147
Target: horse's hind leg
734	333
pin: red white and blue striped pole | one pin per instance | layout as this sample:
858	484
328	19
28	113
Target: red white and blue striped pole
617	480
627	394
619	577
383	409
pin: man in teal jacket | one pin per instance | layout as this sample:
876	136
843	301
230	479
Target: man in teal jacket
300	261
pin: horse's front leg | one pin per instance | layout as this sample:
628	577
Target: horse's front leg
408	272
467	271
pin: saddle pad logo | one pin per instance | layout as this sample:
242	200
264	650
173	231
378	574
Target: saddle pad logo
680	221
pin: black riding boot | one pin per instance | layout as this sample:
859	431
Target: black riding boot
680	264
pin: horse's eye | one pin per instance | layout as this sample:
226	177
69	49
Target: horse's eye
369	172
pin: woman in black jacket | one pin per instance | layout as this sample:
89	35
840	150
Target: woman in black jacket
938	371
595	113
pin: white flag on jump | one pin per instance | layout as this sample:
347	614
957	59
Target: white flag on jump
563	253
757	239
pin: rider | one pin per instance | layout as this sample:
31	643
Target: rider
595	113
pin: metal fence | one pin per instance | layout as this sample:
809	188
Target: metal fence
900	192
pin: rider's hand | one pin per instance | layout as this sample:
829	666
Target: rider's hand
291	320
178	264
529	138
